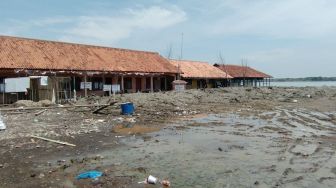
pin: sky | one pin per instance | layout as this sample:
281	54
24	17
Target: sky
287	38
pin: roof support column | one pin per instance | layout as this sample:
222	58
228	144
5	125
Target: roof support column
122	83
165	83
152	84
74	89
104	82
85	89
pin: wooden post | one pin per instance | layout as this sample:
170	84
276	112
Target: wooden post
74	89
152	84
104	81
122	84
166	87
3	92
85	89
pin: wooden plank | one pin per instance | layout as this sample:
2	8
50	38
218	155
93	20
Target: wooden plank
54	141
40	112
52	107
103	107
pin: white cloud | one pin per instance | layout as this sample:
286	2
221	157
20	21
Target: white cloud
281	19
101	29
115	28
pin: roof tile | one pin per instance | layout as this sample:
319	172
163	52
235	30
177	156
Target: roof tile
17	53
237	71
197	69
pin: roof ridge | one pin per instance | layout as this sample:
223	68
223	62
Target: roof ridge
189	60
233	65
78	44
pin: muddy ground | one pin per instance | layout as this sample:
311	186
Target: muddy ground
232	137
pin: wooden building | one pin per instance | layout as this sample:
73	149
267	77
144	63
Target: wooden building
201	74
64	70
245	76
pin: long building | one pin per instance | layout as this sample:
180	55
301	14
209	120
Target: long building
37	69
201	74
245	76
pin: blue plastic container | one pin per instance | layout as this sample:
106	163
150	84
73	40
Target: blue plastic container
127	108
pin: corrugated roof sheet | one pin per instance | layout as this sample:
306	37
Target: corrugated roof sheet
237	71
197	69
17	53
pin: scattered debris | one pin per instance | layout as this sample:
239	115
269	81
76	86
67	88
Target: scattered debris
103	107
2	125
40	112
154	180
52	107
165	183
89	175
55	141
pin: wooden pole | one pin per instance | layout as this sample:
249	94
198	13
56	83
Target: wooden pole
55	141
3	93
166	87
152	84
85	89
122	84
74	91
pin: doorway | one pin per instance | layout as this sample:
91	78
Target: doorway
138	85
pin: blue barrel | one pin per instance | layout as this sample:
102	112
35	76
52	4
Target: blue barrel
127	108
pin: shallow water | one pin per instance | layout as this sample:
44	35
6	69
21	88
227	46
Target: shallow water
233	151
304	84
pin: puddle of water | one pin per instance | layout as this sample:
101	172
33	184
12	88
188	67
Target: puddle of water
220	154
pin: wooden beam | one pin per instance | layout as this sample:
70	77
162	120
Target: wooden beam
51	107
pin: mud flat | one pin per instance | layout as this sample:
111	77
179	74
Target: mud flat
232	137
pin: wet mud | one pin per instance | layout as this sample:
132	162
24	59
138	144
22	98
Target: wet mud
205	143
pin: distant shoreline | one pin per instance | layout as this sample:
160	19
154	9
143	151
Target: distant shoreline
306	79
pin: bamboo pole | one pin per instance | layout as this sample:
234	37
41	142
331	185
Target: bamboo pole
55	141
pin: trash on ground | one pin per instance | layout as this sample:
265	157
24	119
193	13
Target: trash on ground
40	112
127	108
89	175
165	183
2	125
154	180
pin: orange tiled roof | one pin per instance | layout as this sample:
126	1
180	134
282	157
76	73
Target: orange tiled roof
237	71
197	69
21	53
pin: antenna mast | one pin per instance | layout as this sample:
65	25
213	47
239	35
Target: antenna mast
181	56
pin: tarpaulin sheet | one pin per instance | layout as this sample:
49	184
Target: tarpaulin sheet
14	85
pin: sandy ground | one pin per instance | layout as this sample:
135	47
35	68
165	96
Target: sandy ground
232	137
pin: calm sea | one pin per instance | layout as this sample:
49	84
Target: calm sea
304	84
